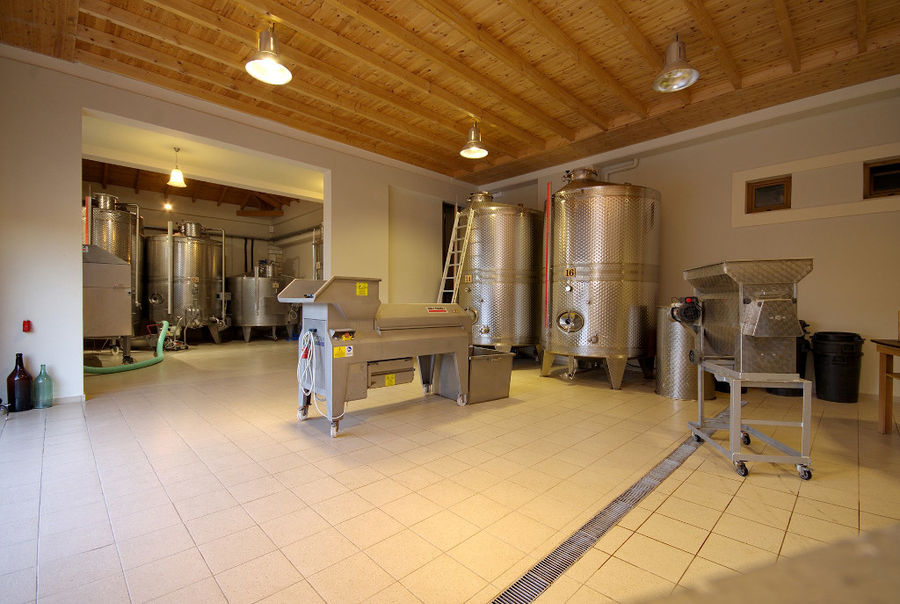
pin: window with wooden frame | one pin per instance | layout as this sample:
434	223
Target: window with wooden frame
768	194
881	178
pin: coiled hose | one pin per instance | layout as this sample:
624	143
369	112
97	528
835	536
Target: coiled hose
157	358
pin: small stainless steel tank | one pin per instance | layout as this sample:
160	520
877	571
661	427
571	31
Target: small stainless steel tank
196	277
116	229
676	376
254	303
602	276
501	272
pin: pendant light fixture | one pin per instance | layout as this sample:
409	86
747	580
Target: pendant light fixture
474	148
677	74
176	178
265	65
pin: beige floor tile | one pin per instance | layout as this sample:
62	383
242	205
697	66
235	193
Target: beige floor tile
411	509
560	591
75	541
272	506
19	586
480	510
443	580
635	518
235	549
821	530
510	494
446	493
702	572
585	567
586	595
828	512
255	489
658	558
72	572
300	591
150	547
795	545
343	507
417	478
103	591
218	524
759	511
300	475
750	532
734	554
166	575
394	594
769	497
382	491
715	500
486	555
205	591
520	531
201	505
620	581
258	578
354	579
613	539
294	526
873	522
357	477
689	512
319	490
402	553
445	529
319	551
66	519
369	528
673	532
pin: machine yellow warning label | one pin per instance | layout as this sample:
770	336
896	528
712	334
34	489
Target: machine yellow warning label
362	288
343	351
390	379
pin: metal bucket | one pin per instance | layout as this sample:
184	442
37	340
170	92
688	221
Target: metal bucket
500	273
676	376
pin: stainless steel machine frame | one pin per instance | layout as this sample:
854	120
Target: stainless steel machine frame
747	334
360	343
601	274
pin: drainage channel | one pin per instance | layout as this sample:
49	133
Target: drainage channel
533	583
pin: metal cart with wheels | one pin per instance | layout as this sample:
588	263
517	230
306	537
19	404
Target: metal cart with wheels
740	430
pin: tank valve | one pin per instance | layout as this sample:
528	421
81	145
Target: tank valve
687	310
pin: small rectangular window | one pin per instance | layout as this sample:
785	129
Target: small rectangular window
769	194
881	178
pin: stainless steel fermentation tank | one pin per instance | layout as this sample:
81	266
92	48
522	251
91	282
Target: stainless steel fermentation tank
116	228
184	278
254	303
601	274
501	272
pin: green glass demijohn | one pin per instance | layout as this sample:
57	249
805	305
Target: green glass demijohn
43	390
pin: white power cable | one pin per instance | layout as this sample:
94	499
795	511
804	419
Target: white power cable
306	372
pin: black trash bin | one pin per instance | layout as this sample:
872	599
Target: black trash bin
837	356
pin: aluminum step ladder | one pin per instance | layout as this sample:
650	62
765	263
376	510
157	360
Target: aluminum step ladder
456	256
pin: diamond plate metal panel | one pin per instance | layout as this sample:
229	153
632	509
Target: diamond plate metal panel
501	274
604	265
676	376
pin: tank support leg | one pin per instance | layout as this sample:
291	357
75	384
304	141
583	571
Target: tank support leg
615	368
647	367
246	332
547	363
214	332
274	335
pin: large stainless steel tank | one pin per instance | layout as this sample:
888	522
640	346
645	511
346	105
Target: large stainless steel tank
254	303
602	274
116	229
501	272
196	278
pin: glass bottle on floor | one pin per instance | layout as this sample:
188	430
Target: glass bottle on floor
18	387
43	389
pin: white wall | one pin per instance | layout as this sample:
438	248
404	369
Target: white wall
854	285
415	223
40	242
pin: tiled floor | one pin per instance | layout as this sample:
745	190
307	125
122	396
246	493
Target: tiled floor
191	481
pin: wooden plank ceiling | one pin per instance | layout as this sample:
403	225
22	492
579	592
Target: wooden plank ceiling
549	81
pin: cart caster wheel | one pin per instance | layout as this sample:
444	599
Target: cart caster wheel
741	468
745	438
698	438
334	430
302	414
804	472
462	400
569	376
127	360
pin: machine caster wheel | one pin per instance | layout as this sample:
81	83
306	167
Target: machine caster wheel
334	429
302	414
462	400
127	360
698	438
745	438
570	376
804	472
741	468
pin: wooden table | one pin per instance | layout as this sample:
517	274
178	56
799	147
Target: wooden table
887	350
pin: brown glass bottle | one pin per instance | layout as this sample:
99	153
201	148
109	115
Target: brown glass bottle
18	387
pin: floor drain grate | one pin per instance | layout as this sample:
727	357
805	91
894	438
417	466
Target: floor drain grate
533	583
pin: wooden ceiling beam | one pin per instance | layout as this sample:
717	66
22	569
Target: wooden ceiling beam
259	213
487	86
632	34
325	36
309	124
787	33
222	194
706	24
862	25
105	178
137	176
272	200
247	36
67	19
477	35
251	89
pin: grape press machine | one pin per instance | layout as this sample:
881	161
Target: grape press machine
352	342
745	315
